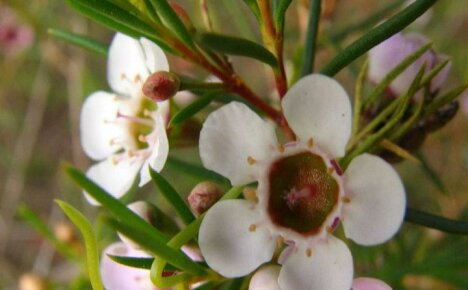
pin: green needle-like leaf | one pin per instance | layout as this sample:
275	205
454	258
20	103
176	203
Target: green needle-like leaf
377	35
79	40
173	197
192	109
311	38
237	46
115	207
252	4
196	171
441	101
280	13
135	262
92	253
172	21
436	222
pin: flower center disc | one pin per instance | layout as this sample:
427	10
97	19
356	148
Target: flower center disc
302	193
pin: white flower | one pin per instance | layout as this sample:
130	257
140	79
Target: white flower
124	130
388	54
302	193
266	278
116	276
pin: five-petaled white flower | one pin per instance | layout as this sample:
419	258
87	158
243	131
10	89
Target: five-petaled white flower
126	131
302	193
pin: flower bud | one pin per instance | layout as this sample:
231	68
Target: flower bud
388	54
161	85
203	196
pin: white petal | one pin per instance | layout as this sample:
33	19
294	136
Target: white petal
116	276
330	267
369	284
229	136
114	177
378	200
318	107
126	61
155	58
265	278
98	125
228	243
159	151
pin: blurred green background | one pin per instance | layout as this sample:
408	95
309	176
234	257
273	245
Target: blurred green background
43	82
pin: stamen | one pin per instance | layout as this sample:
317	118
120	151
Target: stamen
309	252
330	230
250	194
250	160
137	78
346	199
310	143
131	153
330	170
337	167
280	241
252	228
142	138
146	113
281	148
134	119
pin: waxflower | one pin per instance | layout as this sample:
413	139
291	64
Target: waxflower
388	54
302	192
125	131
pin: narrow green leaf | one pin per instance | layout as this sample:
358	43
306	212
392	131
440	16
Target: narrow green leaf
170	19
37	224
431	173
192	109
134	262
115	207
158	248
92	253
280	13
377	35
436	222
173	197
237	46
441	101
196	171
79	40
358	93
395	72
311	37
252	4
434	72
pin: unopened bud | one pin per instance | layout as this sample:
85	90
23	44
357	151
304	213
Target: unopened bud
203	196
31	281
161	85
183	15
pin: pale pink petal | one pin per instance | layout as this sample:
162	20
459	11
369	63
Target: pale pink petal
231	239
116	276
114	177
101	133
126	64
266	278
329	267
232	134
154	56
369	284
318	107
378	200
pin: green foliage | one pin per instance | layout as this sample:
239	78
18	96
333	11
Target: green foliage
79	40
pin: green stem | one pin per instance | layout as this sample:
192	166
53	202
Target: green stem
436	222
311	38
377	35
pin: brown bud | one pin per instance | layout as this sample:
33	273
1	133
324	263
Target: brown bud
203	196
183	15
161	85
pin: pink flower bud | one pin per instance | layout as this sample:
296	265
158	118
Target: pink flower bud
203	196
388	54
161	85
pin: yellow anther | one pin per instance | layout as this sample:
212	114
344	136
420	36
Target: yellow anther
309	252
330	170
142	138
131	153
330	230
250	194
251	161
115	161
252	228
280	241
346	199
281	148
310	143
146	112
137	78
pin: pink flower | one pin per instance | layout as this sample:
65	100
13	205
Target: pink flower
15	36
